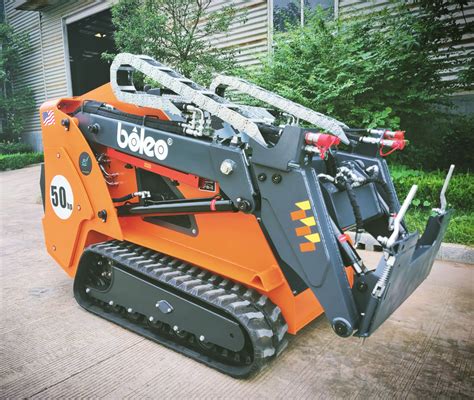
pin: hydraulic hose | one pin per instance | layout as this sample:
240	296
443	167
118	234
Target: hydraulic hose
145	194
375	178
355	206
333	165
123	198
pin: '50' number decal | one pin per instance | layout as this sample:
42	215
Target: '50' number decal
61	196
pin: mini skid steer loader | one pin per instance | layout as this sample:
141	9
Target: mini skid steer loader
216	228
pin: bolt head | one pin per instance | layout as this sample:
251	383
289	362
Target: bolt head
202	338
342	328
151	319
175	328
54	247
243	205
227	167
102	214
361	286
111	303
65	122
129	310
262	177
58	155
88	290
94	128
276	178
78	207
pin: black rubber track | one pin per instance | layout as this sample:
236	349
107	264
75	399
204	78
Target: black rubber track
261	320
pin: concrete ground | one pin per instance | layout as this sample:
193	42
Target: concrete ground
51	348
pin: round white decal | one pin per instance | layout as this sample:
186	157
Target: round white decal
62	198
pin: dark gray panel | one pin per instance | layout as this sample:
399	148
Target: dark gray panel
322	269
199	157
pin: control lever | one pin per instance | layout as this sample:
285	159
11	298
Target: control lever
388	242
442	195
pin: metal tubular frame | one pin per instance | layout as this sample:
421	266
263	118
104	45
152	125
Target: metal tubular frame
313	117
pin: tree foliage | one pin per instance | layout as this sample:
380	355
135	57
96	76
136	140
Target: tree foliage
370	70
15	99
384	69
175	32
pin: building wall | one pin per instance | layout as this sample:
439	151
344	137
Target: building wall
30	73
44	65
251	38
347	8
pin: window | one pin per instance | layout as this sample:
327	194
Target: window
87	39
291	12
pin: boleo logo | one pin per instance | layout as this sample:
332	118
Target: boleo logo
141	144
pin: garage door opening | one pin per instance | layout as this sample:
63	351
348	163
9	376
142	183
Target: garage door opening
88	38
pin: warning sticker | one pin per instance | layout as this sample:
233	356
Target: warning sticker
61	196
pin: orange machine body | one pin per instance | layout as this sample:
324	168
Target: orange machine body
229	244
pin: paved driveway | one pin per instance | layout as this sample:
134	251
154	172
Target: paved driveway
51	348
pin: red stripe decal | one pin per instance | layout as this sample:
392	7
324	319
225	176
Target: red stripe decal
342	238
213	204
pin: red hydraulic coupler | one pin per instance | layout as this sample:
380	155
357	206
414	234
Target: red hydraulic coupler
321	141
396	144
393	144
387	134
399	135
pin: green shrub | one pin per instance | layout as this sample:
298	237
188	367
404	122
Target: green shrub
459	196
19	160
380	70
16	100
14	147
460	193
439	144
